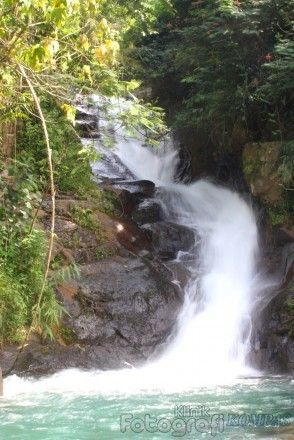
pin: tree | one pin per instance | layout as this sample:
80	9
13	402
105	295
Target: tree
232	63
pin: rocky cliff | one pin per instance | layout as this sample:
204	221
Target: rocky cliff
122	306
273	332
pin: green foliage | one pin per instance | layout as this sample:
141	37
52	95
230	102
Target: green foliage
224	63
144	119
108	202
13	309
65	273
251	168
286	168
286	172
85	217
60	43
68	46
67	335
23	250
21	279
102	254
64	47
225	69
277	215
71	158
136	18
57	262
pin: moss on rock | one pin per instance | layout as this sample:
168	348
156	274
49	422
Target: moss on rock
261	165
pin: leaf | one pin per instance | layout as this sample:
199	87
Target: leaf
84	42
87	72
103	25
101	52
36	56
58	15
7	78
51	47
112	46
70	112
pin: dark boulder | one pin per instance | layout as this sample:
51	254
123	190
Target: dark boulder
170	238
109	168
132	238
132	194
149	211
145	188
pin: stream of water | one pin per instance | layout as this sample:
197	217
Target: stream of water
202	385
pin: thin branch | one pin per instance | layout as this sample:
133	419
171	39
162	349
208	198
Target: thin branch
51	178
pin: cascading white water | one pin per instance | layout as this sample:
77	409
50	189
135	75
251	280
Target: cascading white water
215	321
213	331
157	165
214	326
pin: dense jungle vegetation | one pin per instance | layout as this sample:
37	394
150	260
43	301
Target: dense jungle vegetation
230	63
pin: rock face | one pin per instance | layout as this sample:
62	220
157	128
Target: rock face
119	310
124	305
260	164
273	331
143	188
184	168
127	300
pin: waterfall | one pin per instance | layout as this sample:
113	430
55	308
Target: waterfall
211	341
213	331
215	323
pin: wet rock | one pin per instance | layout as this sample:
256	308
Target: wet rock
149	211
170	238
62	225
180	272
273	331
229	171
119	311
87	121
144	188
131	237
134	300
130	201
109	167
131	194
86	112
184	168
42	358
